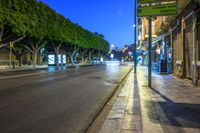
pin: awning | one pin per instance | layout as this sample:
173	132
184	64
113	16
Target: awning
157	39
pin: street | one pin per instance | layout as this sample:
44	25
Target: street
64	101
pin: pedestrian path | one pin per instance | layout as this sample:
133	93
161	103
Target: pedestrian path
172	105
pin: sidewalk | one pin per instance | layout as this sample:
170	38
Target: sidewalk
172	105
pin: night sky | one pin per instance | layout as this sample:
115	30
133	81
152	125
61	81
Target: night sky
112	18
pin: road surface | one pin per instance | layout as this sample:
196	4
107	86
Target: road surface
49	101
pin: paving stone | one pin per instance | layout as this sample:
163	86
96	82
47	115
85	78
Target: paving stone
111	126
116	114
128	122
128	125
128	131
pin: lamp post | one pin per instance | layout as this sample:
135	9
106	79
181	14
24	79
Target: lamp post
135	30
195	7
149	51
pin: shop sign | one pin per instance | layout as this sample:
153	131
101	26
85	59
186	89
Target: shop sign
146	1
51	59
157	10
149	1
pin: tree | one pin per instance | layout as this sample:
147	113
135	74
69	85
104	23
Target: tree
15	20
19	51
37	24
34	47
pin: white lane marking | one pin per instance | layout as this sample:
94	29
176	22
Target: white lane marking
33	74
39	73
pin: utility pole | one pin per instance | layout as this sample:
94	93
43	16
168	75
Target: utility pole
194	49
149	51
135	34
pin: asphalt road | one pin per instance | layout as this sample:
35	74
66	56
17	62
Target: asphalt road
49	101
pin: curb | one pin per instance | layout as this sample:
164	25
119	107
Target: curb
98	120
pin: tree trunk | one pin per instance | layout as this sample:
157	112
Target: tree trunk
83	59
82	54
72	59
90	57
86	60
41	59
75	58
68	59
35	59
61	56
57	49
20	60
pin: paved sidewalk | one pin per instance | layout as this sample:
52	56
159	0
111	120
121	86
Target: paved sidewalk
172	105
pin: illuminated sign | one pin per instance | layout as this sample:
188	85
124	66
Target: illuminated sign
157	10
112	56
51	59
59	59
64	59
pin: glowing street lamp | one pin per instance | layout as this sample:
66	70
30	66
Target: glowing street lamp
112	46
112	56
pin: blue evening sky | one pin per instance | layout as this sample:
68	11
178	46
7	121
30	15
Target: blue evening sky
112	18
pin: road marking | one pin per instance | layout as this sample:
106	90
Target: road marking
22	75
40	73
33	74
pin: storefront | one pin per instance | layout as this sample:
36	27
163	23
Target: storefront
161	54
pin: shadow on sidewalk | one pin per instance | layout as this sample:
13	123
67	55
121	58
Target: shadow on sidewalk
137	105
172	113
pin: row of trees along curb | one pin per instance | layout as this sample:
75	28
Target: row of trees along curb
32	25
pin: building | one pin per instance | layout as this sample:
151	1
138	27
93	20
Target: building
175	40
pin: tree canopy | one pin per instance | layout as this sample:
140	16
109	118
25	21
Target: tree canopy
35	21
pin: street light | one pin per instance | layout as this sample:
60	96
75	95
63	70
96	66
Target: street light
112	46
112	56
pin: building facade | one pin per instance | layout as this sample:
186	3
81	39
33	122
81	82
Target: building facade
175	39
